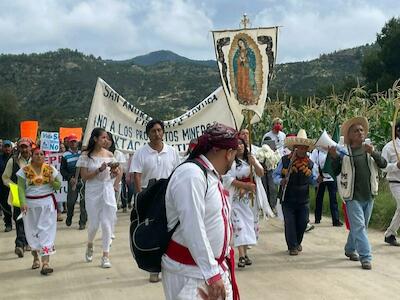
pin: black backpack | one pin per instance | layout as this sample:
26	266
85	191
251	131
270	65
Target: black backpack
148	232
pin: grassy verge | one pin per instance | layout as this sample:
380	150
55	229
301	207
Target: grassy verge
384	207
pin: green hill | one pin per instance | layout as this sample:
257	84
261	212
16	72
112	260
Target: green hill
57	87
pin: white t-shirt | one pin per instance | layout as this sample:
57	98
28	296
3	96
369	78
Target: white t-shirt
319	158
153	164
279	140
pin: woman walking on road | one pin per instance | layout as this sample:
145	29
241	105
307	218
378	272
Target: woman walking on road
98	169
36	185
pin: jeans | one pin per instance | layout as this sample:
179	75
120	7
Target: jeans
270	188
296	219
359	214
72	196
331	185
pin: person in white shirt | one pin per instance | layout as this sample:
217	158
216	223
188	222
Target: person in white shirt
393	176
325	180
98	168
153	161
198	261
277	135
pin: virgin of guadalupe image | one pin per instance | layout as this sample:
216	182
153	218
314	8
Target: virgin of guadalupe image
244	67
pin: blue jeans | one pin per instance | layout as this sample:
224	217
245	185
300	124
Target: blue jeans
359	213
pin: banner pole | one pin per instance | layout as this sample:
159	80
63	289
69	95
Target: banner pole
250	128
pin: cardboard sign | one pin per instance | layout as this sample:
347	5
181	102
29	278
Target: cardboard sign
49	141
54	159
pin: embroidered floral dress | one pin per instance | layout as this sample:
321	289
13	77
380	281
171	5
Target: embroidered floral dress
242	216
40	221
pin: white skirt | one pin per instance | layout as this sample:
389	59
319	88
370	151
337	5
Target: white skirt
243	224
40	223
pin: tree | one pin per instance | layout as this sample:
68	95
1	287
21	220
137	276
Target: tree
381	66
9	115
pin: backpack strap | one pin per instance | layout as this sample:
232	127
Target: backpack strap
203	168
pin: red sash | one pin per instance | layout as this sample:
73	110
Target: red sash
45	196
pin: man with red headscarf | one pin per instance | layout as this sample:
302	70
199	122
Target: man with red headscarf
197	261
277	135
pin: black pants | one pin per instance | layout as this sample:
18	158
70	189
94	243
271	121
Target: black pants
332	188
270	188
124	192
131	192
296	219
72	196
20	240
5	207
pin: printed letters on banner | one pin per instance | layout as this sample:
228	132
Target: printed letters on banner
112	112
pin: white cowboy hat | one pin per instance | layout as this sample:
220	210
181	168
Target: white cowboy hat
344	130
299	140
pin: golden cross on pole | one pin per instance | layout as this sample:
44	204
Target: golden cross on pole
245	22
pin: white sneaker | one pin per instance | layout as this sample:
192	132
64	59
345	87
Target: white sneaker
105	262
89	254
112	236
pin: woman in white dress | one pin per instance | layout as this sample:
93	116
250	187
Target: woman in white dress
36	185
242	190
98	169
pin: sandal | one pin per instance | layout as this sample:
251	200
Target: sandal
46	269
248	261
36	264
36	261
242	262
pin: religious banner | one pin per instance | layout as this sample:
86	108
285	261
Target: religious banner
127	124
246	59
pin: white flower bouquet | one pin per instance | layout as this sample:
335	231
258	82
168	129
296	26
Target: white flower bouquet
267	157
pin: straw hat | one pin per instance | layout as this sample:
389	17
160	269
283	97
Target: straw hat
344	130
299	140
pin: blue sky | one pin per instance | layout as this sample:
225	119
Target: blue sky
121	29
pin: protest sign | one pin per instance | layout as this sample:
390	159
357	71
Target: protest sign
49	141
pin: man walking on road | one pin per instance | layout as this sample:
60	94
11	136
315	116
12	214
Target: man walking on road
198	259
153	161
16	162
68	171
358	185
5	190
393	176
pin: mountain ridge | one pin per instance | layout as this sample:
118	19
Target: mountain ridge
57	87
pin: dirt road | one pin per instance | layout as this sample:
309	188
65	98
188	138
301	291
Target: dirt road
320	272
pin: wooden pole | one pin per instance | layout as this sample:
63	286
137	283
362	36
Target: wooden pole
250	115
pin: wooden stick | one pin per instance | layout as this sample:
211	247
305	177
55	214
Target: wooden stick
250	128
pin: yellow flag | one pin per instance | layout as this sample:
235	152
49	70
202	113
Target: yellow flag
15	196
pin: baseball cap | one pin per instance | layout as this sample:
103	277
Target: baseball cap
25	141
72	137
7	143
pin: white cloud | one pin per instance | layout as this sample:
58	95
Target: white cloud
113	29
307	32
121	29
